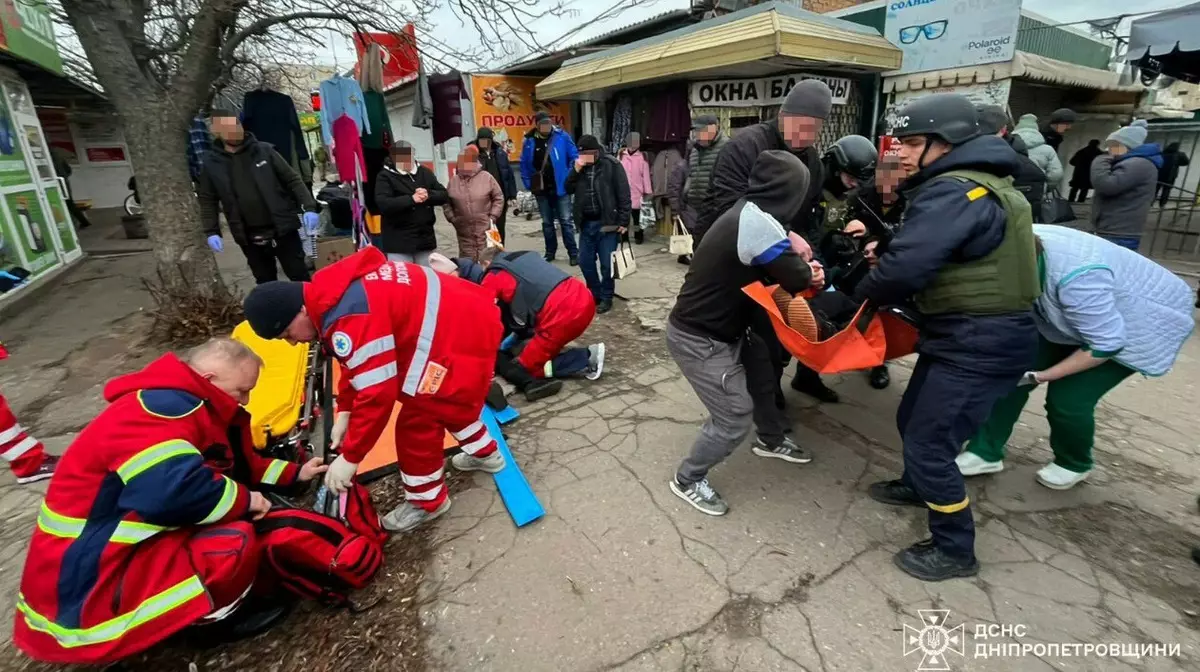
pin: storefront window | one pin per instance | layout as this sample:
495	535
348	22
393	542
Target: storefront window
18	97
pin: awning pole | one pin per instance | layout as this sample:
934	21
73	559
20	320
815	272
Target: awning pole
875	105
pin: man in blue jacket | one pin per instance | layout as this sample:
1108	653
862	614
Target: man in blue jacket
546	160
966	256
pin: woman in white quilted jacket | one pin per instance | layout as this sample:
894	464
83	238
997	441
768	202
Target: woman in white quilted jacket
1105	313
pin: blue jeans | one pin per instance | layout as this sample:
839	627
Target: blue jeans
551	205
1128	242
594	247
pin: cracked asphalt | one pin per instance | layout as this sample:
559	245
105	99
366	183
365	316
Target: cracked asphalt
622	575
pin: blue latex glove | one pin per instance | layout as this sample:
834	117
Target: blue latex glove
215	243
311	222
9	276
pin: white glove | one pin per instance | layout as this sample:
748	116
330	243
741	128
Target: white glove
340	475
1030	379
341	422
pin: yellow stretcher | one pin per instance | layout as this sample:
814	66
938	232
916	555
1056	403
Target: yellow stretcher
277	403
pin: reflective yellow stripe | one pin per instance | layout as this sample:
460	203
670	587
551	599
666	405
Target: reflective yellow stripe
224	506
976	194
156	454
114	628
127	532
273	472
950	508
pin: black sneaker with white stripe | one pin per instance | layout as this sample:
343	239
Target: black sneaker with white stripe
701	496
787	450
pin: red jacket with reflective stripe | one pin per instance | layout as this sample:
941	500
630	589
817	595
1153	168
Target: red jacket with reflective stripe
404	333
108	572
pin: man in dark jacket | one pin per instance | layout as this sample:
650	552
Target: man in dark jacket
495	161
1081	177
1060	122
677	197
546	159
709	328
1125	180
602	208
966	255
407	194
1173	160
708	141
1029	179
262	197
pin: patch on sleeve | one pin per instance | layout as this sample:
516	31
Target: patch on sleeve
170	404
342	345
976	194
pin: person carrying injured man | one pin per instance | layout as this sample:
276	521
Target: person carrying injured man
541	305
709	327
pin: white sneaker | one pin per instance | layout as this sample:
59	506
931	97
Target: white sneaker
407	516
595	361
492	464
971	464
1057	478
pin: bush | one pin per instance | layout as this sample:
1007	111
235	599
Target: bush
184	316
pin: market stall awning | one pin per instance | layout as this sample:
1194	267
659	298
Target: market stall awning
752	42
1168	42
1023	65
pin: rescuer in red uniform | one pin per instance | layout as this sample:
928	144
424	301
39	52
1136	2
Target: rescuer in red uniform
401	332
543	305
26	456
146	526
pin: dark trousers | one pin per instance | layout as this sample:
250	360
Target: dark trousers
595	259
502	220
287	248
374	159
553	206
762	380
944	406
1078	194
1164	192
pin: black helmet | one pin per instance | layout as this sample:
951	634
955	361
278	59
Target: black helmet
947	116
853	155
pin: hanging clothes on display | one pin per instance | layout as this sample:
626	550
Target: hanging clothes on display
446	92
271	117
671	120
198	143
342	96
621	125
423	104
376	141
347	150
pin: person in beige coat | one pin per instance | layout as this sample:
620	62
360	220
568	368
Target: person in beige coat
476	201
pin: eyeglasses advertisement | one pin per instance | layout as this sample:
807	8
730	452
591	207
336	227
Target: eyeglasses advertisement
944	34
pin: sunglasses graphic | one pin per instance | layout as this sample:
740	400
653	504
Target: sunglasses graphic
932	31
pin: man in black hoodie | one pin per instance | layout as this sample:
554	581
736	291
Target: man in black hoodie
1028	178
966	256
262	197
708	330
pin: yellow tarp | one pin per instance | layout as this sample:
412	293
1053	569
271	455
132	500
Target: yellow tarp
278	399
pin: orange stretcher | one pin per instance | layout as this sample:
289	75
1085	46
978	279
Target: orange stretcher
870	339
383	455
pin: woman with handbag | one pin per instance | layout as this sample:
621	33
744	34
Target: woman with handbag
637	173
476	202
602	207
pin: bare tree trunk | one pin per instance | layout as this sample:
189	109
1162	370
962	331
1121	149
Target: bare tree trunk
155	121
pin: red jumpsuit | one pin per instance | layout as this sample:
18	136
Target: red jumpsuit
406	333
567	313
22	452
144	529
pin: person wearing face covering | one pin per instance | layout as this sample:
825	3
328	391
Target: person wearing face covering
709	327
476	202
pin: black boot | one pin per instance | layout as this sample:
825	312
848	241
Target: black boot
549	257
603	307
573	260
1196	554
927	562
880	378
895	493
542	388
533	388
810	383
639	237
685	259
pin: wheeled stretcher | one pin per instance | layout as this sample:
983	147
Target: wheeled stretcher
872	337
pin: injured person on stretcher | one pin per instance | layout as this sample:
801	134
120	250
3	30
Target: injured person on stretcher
157	518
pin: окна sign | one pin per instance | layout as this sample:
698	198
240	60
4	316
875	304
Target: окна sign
760	91
942	34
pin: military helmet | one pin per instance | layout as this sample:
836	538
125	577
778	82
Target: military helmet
853	155
947	116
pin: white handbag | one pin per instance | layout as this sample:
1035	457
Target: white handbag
681	240
623	262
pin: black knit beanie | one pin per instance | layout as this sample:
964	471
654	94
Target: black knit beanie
271	307
589	142
808	98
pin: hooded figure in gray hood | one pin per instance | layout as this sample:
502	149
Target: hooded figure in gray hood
729	367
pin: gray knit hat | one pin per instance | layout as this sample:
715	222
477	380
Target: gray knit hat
1131	136
808	98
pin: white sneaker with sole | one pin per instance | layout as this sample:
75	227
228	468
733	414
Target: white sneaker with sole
407	516
1057	478
595	361
492	464
971	464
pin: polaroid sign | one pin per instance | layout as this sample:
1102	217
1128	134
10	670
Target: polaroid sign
761	91
943	34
